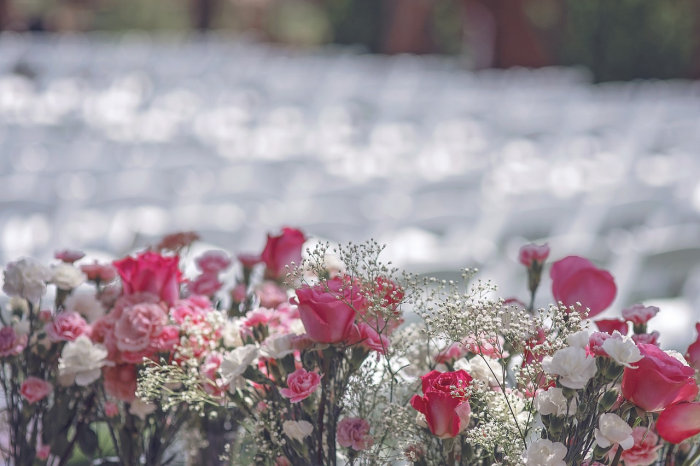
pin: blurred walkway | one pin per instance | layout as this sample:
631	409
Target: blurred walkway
109	143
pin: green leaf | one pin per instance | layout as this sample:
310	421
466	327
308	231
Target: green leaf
87	439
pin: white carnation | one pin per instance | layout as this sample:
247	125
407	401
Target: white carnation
27	279
297	430
237	361
613	429
553	401
231	334
572	365
486	369
543	452
81	361
277	346
66	276
85	304
578	339
622	349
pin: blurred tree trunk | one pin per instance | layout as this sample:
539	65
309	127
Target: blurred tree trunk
202	14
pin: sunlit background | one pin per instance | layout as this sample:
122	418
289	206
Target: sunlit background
413	122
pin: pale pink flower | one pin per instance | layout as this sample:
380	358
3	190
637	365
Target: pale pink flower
206	284
369	338
213	261
137	326
271	295
452	352
103	273
34	389
67	326
69	255
649	338
301	384
530	253
239	293
353	432
645	450
120	381
639	313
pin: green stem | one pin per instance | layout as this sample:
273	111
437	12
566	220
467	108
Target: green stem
618	454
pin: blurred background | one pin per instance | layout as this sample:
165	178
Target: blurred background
452	130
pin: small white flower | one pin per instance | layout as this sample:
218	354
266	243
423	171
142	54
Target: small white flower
297	430
81	361
277	346
141	408
543	452
85	304
622	349
237	361
572	365
333	265
486	369
578	339
27	279
66	276
554	402
231	334
613	429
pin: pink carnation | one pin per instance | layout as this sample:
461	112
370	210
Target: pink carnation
353	432
366	336
67	326
213	261
610	325
271	295
10	343
301	384
69	255
34	389
595	343
452	352
206	284
104	273
120	381
649	338
645	450
138	325
639	313
530	253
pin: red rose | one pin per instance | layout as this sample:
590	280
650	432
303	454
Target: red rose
693	353
575	279
327	310
658	381
446	413
281	250
610	325
679	422
150	272
35	389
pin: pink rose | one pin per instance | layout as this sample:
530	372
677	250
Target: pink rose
639	314
138	325
111	409
658	381
649	338
281	251
213	261
610	325
34	389
645	450
693	353
446	413
67	326
530	253
301	384
120	381
10	343
366	336
150	272
103	273
328	314
206	284
353	432
69	255
679	422
575	279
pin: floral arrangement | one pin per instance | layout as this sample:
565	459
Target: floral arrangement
309	353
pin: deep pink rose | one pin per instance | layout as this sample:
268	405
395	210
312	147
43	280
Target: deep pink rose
645	449
34	389
138	325
575	279
213	261
69	255
301	384
639	313
120	381
446	413
10	343
693	353
103	272
649	338
353	432
67	326
610	325
530	253
282	250
679	422
150	272
658	381
366	336
206	284
328	314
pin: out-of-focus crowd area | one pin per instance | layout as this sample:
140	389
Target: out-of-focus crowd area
619	40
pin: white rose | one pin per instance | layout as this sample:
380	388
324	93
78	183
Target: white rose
141	408
622	349
67	277
81	361
85	304
613	429
572	365
578	339
277	346
27	279
297	430
486	369
231	334
237	361
543	452
554	402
